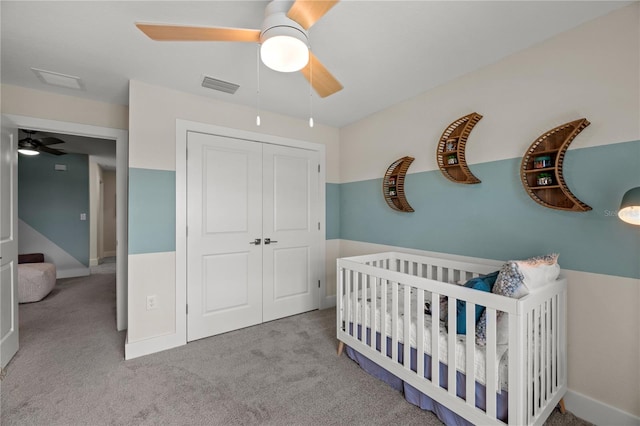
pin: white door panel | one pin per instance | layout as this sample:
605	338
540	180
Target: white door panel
291	192
291	266
224	270
290	213
218	270
8	245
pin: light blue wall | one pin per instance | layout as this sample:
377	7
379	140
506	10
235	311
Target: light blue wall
333	211
152	215
496	219
152	211
51	201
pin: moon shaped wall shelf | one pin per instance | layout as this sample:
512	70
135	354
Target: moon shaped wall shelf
451	150
393	184
541	168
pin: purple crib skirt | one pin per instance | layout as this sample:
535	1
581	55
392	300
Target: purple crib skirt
416	397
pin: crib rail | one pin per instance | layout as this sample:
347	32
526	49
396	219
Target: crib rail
384	334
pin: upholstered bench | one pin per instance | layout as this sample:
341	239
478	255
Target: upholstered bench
36	278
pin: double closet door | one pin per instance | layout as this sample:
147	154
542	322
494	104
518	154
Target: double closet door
253	244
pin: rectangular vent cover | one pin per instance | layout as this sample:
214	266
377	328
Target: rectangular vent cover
219	85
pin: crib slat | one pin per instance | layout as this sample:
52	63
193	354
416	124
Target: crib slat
470	347
406	310
383	316
490	359
530	355
536	360
554	343
372	313
356	293
562	337
545	368
349	316
340	291
420	333
363	306
394	321
451	343
435	339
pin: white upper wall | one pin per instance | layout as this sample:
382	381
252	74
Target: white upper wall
52	106
591	71
154	111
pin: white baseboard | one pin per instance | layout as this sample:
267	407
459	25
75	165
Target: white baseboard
109	254
94	262
72	272
329	302
597	412
152	345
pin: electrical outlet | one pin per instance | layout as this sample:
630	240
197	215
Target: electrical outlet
152	302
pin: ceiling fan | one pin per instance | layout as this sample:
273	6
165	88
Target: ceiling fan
283	39
31	146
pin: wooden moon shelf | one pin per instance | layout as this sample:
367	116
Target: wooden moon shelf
393	185
451	150
541	168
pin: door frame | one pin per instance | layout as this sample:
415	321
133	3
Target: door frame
182	128
121	138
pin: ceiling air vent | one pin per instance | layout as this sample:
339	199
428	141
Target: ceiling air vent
219	85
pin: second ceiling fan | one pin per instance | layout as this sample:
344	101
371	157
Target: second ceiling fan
283	39
33	146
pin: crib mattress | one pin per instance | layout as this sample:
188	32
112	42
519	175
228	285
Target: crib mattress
460	355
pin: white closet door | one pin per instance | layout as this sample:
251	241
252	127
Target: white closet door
224	216
8	246
290	221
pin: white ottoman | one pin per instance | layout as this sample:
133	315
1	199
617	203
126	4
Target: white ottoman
35	281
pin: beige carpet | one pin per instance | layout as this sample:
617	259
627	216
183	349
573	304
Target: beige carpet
70	371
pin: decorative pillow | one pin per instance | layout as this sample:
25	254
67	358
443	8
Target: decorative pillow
482	283
443	307
509	281
538	271
516	279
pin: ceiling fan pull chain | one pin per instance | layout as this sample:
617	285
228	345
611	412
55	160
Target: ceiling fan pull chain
258	89
310	93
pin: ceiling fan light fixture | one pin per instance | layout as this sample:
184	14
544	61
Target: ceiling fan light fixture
284	49
27	150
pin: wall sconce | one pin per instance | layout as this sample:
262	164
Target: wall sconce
630	207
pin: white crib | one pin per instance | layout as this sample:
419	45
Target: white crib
530	368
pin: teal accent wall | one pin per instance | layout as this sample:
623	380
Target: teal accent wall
152	211
333	211
496	219
51	201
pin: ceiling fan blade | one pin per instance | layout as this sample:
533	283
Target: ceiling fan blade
50	150
320	78
307	12
161	32
48	141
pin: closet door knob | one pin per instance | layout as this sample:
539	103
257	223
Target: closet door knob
268	241
257	241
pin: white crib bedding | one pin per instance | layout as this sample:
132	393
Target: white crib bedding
480	352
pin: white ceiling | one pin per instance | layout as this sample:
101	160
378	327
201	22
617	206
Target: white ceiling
383	52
